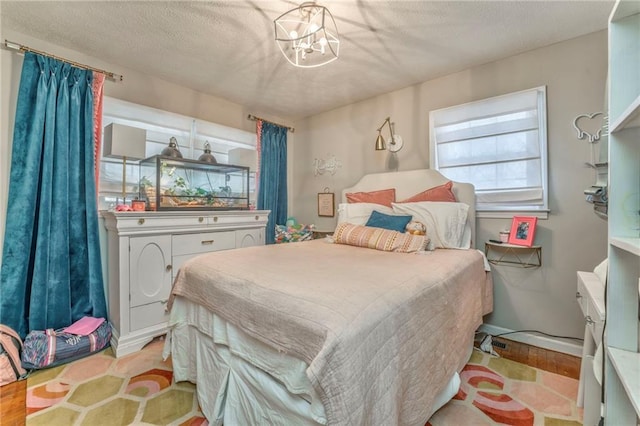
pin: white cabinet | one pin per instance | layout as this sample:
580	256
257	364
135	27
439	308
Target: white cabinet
249	237
150	261
622	365
590	297
144	253
149	267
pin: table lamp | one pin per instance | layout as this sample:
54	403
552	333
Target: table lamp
127	143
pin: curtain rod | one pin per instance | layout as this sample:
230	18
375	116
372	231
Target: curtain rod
254	118
20	47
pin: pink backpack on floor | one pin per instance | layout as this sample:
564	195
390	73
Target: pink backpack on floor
10	348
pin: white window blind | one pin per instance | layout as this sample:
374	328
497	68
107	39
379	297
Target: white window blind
190	133
497	144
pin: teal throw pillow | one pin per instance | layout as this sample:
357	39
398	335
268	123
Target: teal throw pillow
385	221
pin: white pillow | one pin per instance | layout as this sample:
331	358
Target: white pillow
358	213
446	222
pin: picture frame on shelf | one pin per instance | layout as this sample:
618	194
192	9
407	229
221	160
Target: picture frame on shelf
523	230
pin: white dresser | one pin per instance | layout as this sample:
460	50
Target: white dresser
145	252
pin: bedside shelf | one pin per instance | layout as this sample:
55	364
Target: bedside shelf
513	255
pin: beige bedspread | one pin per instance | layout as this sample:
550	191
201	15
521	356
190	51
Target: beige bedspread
381	332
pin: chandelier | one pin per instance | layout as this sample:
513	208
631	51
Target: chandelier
307	35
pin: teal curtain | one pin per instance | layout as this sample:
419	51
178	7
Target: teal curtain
51	272
272	194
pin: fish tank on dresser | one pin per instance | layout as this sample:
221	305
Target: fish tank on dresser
169	183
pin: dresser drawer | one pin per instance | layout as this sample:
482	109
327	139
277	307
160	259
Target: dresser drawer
147	315
202	242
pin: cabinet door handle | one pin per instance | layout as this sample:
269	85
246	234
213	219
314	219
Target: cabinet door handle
578	295
141	221
169	267
215	218
200	219
206	242
589	320
257	217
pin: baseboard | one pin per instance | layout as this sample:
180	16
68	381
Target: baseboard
135	340
544	342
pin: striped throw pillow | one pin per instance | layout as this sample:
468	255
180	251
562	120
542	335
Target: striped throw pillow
379	239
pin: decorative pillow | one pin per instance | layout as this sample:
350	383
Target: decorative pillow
384	197
446	223
437	193
379	239
388	221
359	213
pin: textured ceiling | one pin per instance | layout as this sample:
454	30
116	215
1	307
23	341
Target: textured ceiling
226	48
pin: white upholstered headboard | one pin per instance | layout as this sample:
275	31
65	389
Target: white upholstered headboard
411	182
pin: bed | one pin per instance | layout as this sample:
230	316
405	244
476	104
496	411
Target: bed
316	332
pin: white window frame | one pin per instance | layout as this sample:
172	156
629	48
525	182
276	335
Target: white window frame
190	132
472	111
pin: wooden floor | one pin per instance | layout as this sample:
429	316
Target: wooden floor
544	359
12	403
12	396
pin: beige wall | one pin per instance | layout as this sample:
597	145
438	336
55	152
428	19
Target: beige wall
573	238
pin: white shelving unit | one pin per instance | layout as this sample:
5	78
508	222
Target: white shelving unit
622	366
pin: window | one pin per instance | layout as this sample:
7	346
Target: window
190	133
500	146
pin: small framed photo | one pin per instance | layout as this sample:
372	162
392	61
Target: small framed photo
523	230
326	205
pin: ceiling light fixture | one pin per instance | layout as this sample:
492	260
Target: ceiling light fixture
307	35
396	141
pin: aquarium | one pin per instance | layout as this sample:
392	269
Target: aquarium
168	183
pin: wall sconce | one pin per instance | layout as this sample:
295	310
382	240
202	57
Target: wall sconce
396	141
330	165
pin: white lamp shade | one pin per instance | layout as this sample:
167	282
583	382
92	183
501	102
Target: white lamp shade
124	141
244	157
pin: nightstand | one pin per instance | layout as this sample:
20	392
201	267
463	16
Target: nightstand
513	255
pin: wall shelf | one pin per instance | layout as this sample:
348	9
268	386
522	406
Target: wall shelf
513	255
632	245
627	365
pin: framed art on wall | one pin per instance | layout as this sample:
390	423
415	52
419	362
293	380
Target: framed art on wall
523	230
326	204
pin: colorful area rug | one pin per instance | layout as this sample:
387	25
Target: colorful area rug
139	389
